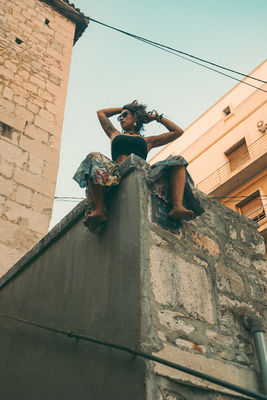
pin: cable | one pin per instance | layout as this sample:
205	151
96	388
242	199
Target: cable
178	51
205	66
147	356
172	50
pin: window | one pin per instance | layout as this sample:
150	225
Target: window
5	130
252	207
237	154
227	111
18	41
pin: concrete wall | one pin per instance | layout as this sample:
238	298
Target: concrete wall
33	84
177	296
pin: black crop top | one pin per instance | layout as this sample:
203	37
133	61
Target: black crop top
126	145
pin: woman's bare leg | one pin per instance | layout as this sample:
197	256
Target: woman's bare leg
97	194
177	184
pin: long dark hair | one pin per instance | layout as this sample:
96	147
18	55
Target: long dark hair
139	113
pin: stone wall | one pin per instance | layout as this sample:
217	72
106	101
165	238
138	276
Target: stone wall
178	296
202	281
36	48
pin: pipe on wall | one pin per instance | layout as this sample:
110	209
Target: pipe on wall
255	325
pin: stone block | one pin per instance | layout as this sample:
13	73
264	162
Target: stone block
8	93
37	66
237	375
36	133
53	53
54	89
40	150
6	168
32	107
11	66
58	72
261	267
20	100
21	215
37	81
50	172
30	87
229	281
24	113
22	196
173	322
237	255
47	125
12	120
12	153
44	94
7	186
34	182
42	203
6	105
236	306
8	257
205	244
35	164
48	116
177	282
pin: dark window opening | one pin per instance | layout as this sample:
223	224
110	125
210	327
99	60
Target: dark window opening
227	111
18	41
5	130
47	21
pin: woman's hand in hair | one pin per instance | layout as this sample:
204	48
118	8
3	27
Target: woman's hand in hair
149	117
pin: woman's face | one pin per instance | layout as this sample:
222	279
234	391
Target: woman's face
126	119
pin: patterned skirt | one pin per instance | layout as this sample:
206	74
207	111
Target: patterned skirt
105	172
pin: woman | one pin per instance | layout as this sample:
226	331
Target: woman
168	179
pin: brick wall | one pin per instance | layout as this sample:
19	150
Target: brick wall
36	48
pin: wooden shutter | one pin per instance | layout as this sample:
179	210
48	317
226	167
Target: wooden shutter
237	154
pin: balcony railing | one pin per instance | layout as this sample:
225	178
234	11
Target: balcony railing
226	171
259	215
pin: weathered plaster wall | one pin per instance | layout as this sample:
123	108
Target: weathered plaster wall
177	296
33	84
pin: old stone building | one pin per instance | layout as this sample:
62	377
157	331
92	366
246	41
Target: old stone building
36	38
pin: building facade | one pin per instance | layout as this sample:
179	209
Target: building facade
226	148
36	37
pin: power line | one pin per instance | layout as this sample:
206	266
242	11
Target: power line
136	353
174	51
162	46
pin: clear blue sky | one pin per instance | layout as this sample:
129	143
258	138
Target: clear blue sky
109	69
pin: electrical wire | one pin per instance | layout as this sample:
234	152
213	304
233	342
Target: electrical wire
174	51
190	371
171	50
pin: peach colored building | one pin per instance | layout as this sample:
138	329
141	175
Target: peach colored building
37	37
226	150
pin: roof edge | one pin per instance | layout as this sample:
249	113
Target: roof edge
72	13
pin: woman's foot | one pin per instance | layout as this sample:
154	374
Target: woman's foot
180	212
95	216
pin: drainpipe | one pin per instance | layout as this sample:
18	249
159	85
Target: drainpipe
254	324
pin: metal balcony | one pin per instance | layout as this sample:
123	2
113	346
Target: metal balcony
226	178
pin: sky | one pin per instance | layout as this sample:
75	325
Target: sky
109	69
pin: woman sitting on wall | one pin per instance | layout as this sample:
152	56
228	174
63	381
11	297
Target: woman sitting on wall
169	179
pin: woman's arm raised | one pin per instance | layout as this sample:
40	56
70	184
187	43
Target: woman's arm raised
164	138
104	115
